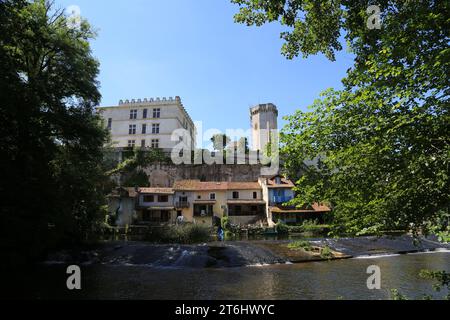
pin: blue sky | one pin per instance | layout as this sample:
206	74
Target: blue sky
193	49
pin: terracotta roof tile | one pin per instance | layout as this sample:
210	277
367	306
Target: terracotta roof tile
197	185
156	190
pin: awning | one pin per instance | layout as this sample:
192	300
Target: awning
204	201
158	208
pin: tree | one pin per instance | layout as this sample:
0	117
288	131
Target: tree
220	141
52	178
381	143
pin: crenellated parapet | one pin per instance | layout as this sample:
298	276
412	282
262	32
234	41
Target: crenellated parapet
150	101
268	107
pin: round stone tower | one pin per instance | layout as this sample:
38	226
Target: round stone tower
264	118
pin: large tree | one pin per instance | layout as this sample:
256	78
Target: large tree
50	138
381	144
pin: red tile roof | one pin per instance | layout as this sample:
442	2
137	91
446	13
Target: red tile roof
197	185
285	183
156	190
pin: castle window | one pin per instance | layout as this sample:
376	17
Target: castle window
255	195
143	143
144	129
144	114
131	143
235	195
155	128
132	129
212	196
155	143
109	123
133	114
157	113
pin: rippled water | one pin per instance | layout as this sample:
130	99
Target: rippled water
343	279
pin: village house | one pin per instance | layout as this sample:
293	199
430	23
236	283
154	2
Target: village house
261	202
201	201
279	191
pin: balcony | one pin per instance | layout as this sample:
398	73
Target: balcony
182	204
280	199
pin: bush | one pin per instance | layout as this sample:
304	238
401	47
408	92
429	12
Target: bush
296	245
282	228
326	253
183	234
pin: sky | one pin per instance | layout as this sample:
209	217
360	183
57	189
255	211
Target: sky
195	50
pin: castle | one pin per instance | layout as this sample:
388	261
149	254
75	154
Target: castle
149	123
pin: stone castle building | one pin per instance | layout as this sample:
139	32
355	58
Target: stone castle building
147	123
264	119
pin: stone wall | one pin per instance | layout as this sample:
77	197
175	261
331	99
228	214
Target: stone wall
164	175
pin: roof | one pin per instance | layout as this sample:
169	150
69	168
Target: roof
315	208
156	190
197	185
122	192
284	183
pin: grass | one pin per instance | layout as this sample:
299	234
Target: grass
300	245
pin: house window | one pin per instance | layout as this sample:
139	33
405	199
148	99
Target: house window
144	129
155	143
157	113
131	143
163	199
132	129
149	198
155	128
255	195
144	114
109	123
133	114
235	195
212	196
143	143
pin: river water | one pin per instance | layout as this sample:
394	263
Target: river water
340	279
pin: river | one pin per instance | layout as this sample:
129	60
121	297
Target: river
340	279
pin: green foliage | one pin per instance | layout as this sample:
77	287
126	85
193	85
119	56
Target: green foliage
396	295
326	253
282	228
225	223
381	144
138	158
442	279
182	234
52	170
136	178
296	245
220	141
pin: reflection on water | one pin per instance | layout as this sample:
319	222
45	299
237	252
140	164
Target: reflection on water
317	280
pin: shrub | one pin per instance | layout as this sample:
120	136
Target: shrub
184	234
296	245
326	253
282	228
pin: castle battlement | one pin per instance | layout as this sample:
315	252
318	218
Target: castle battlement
150	101
268	107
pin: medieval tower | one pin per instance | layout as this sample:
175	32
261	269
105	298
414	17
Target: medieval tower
264	118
